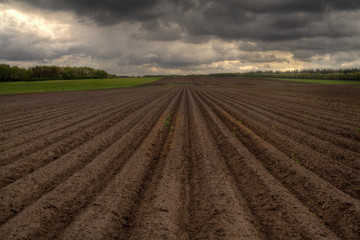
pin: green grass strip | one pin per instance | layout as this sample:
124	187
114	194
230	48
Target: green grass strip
70	85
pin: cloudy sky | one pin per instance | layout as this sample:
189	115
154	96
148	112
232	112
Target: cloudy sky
181	36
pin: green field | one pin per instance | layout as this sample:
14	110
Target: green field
70	85
319	81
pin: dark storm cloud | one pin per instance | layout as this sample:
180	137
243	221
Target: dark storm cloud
277	22
230	19
178	34
104	12
109	12
140	8
305	48
270	20
15	48
286	6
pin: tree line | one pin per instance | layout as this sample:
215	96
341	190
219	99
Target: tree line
15	73
326	74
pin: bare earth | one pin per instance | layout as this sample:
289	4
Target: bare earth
182	159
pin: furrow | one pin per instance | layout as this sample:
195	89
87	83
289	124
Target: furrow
27	125
15	170
50	214
26	190
63	132
28	117
346	179
161	214
56	116
319	196
107	217
323	120
69	121
30	106
316	111
313	137
280	214
214	212
182	158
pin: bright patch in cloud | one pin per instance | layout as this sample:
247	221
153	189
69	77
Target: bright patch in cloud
13	20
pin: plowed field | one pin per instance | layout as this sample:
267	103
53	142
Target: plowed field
182	159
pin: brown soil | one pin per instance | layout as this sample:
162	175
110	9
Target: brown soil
192	158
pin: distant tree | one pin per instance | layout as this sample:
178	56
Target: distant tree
67	73
19	74
15	73
100	74
5	73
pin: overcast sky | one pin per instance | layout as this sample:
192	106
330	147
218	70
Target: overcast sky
181	36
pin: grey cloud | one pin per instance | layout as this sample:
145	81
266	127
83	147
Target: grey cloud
157	27
17	46
158	30
141	9
105	12
261	20
305	48
110	12
286	6
239	24
14	48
